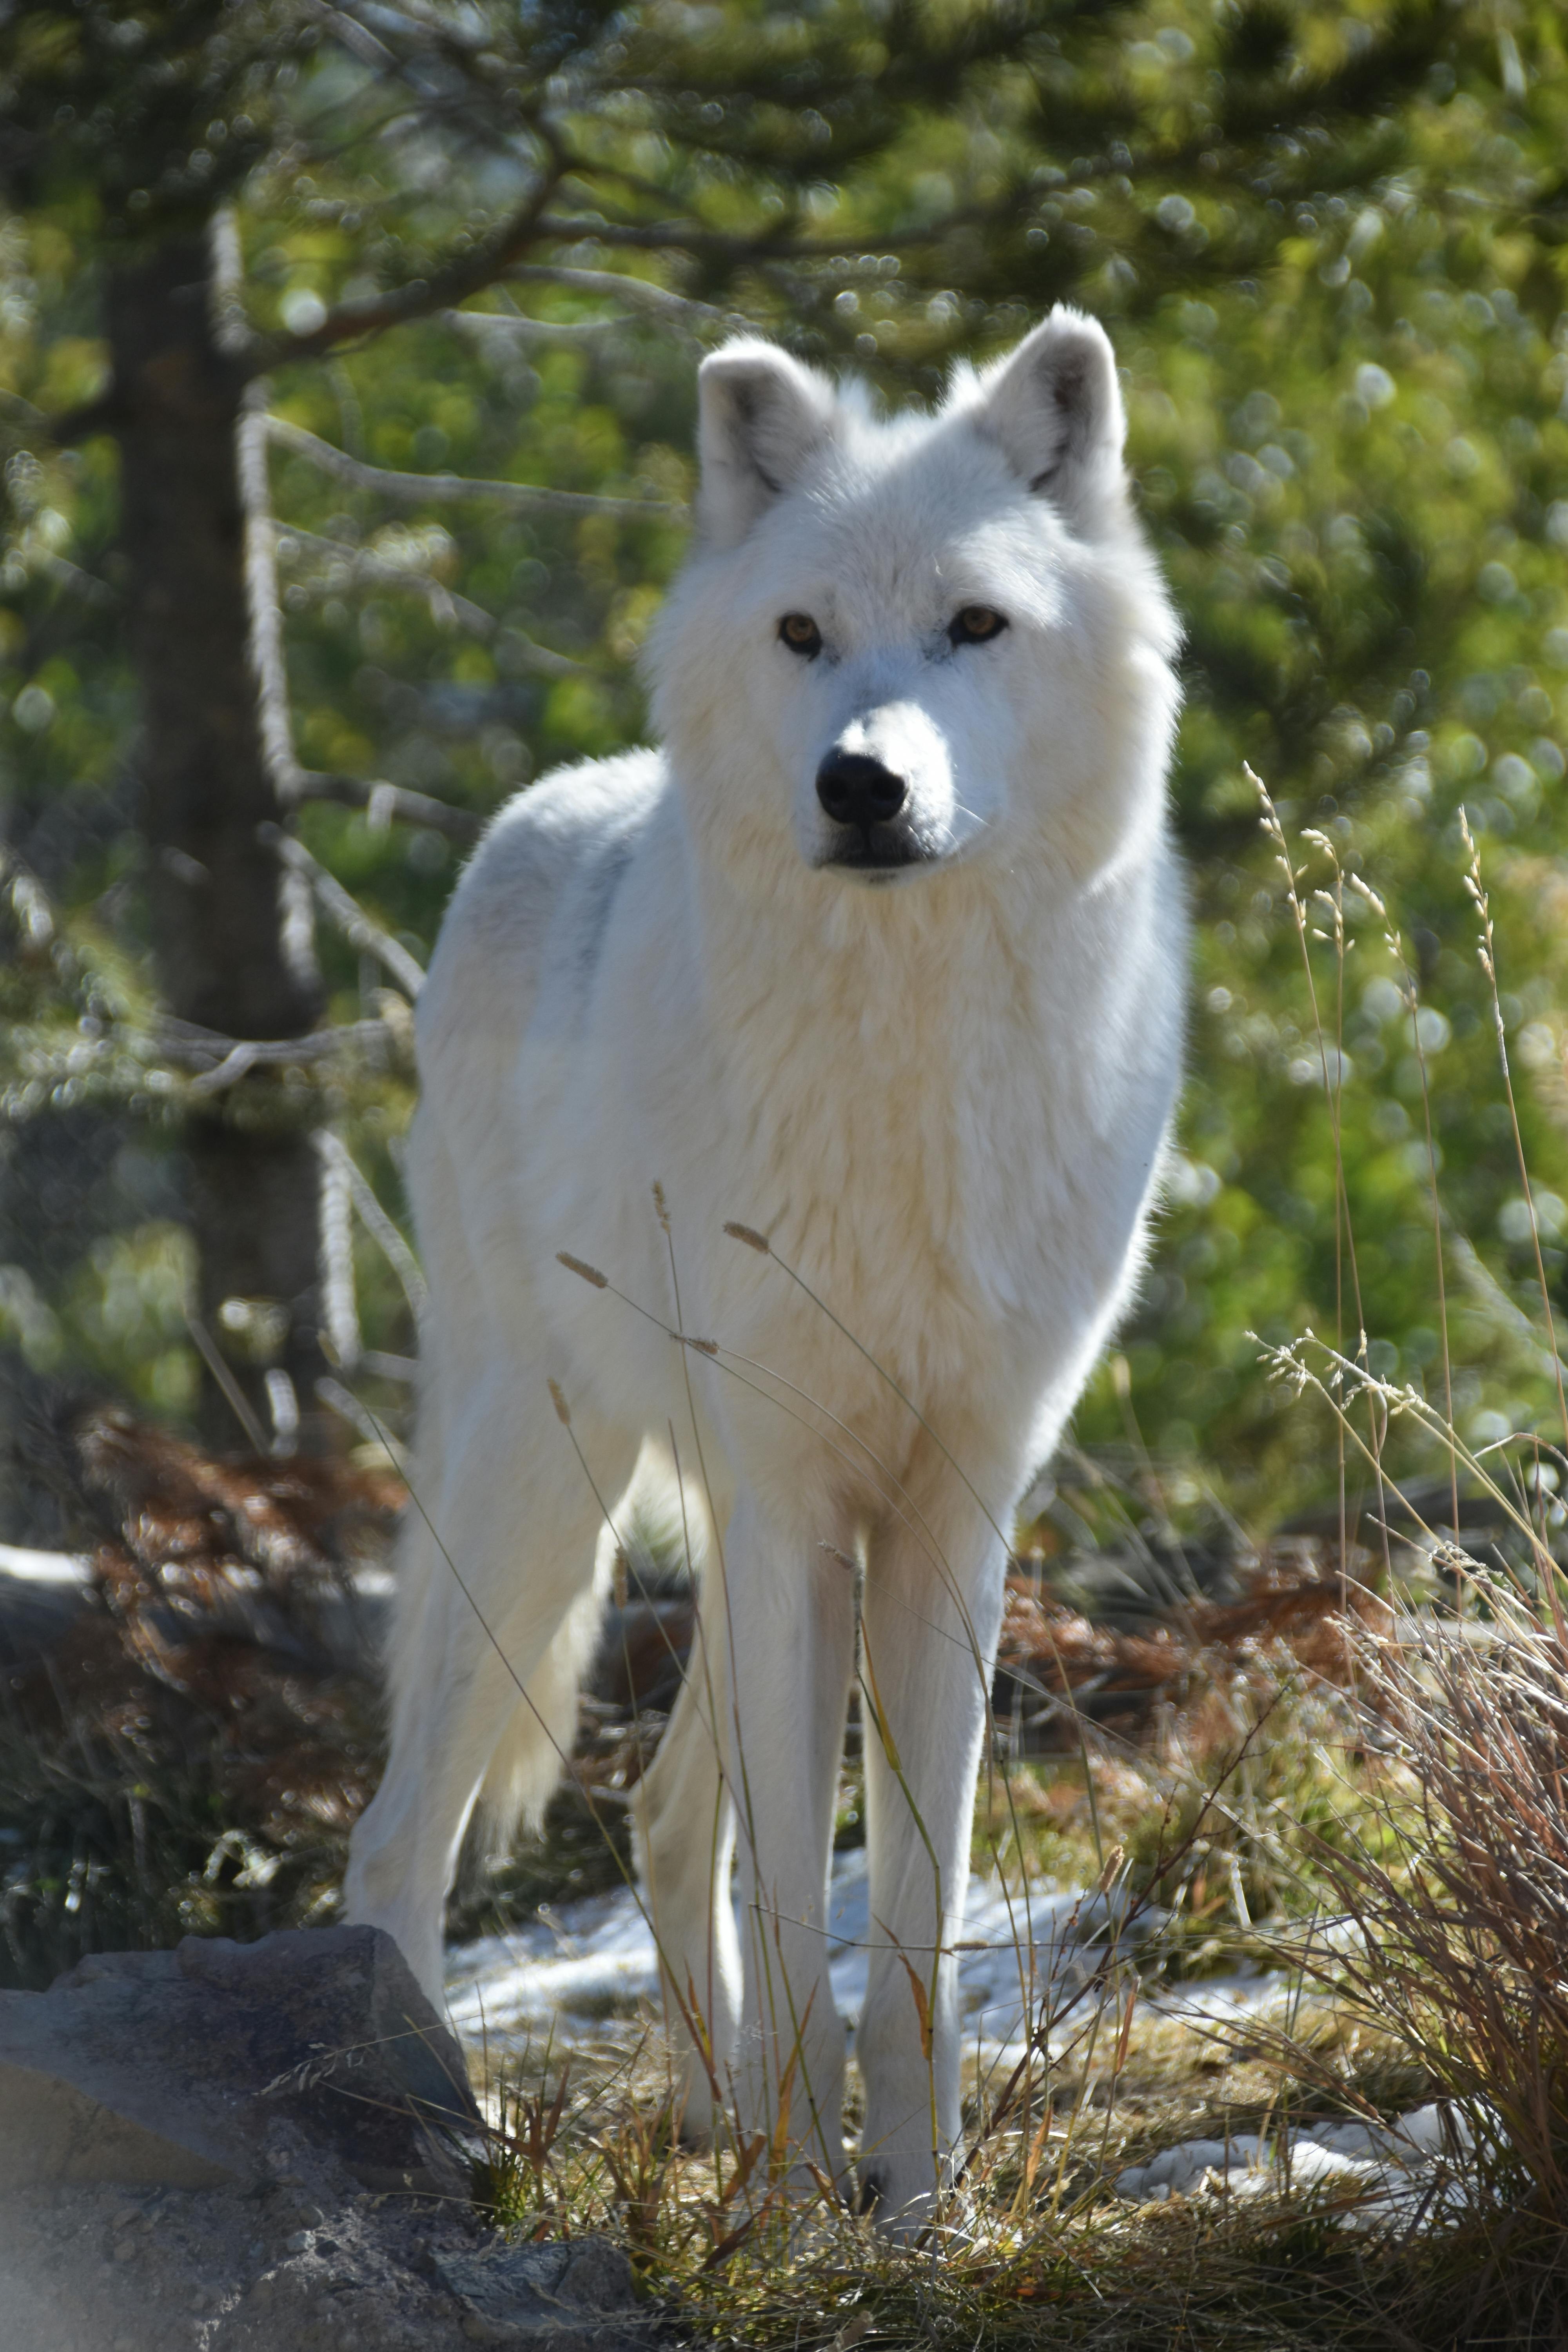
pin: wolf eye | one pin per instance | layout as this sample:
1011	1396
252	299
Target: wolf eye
801	634
974	624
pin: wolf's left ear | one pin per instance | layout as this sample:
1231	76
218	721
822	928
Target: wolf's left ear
1055	407
761	415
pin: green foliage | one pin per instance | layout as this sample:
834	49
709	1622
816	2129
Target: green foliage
1331	247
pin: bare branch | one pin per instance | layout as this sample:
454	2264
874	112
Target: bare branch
463	274
267	654
358	39
231	328
636	293
372	570
106	413
732	246
510	326
340	1307
234	1395
396	1250
36	918
283	1404
268	662
387	802
221	1061
347	1406
345	911
21	417
451	490
70	576
446	607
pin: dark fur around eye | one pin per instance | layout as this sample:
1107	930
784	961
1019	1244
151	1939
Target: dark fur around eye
800	633
974	624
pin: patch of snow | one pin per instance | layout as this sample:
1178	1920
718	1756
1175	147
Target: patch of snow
567	1970
1390	2171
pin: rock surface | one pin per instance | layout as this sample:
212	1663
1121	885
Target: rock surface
571	2297
264	2147
166	2068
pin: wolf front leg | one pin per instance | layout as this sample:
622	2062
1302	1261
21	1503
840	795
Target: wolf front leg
685	1847
931	1616
789	1622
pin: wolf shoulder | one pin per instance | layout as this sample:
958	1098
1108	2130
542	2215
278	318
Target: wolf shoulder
533	908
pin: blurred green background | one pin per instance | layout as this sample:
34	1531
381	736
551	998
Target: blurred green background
1331	247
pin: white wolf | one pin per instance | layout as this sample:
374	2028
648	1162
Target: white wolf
882	955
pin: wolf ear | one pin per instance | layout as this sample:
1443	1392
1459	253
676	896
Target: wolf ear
1055	407
760	416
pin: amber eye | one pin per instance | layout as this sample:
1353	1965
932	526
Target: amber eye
801	634
974	623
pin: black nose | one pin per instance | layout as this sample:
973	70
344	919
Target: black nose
854	789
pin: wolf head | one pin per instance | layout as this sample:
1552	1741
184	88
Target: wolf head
902	646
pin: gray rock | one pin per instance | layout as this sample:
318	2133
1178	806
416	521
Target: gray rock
571	2295
167	2067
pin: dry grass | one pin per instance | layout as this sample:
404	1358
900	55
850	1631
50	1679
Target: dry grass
1419	1799
1462	1917
1036	2247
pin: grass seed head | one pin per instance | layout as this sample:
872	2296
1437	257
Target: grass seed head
578	1266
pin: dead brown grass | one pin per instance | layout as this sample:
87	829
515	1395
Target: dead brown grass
1461	1920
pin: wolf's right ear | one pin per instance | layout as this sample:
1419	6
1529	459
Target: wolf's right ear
760	416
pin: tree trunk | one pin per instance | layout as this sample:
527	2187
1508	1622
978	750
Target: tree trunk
232	952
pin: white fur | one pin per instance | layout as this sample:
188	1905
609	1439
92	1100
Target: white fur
941	1091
